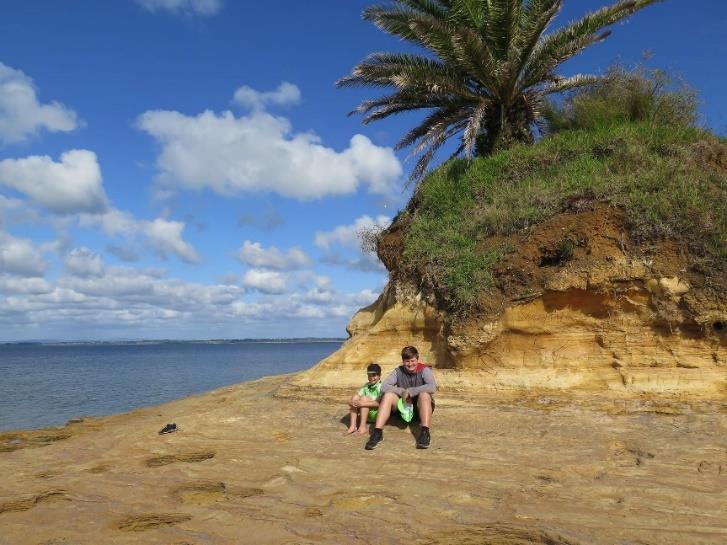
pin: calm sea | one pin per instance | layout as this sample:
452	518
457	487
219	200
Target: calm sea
45	385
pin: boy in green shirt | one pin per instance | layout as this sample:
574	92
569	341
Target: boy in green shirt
365	402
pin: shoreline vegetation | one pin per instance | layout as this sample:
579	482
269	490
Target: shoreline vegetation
291	340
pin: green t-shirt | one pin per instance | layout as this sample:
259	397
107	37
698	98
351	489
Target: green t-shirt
372	391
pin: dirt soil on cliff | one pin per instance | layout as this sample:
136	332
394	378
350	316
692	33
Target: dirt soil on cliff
586	237
247	466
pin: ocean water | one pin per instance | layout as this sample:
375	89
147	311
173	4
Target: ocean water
46	385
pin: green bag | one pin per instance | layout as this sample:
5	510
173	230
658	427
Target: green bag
406	410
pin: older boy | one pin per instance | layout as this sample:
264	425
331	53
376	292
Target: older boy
413	382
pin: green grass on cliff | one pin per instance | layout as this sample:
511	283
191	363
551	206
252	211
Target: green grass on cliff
667	179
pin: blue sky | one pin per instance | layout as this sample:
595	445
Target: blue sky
185	168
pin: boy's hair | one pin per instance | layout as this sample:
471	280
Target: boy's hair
409	352
373	368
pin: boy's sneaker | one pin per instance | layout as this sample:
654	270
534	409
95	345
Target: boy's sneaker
424	439
169	428
376	437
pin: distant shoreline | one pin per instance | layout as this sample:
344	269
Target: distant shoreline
170	341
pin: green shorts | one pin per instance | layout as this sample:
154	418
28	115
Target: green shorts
372	415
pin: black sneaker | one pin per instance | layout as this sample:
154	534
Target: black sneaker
376	437
169	428
424	439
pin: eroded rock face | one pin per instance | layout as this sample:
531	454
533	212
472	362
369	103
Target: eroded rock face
612	320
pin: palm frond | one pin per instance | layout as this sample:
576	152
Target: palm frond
474	125
537	16
569	83
438	118
563	44
407	71
430	7
393	20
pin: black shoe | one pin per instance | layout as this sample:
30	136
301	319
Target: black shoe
376	437
169	428
424	439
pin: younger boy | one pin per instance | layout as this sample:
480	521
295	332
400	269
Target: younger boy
365	402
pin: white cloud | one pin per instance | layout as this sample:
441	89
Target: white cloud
19	256
166	236
146	303
285	94
15	211
21	115
163	236
253	254
265	281
72	185
14	284
259	152
348	236
195	7
343	246
83	262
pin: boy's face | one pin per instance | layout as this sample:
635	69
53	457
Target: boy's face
411	364
373	377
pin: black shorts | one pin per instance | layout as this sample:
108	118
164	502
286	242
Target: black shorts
416	408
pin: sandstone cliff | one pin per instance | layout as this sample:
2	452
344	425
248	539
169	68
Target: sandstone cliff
612	318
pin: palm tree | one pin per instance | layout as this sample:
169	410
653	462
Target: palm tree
490	70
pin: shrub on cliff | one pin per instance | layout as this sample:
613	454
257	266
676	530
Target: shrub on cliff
670	181
625	96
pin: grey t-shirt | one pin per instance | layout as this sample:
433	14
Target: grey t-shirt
399	380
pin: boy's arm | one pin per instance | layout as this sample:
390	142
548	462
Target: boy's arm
429	386
389	385
368	402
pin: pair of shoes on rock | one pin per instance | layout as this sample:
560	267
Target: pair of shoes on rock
378	435
169	428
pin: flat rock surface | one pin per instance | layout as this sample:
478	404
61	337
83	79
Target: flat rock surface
246	466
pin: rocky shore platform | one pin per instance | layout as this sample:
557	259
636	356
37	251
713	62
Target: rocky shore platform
254	463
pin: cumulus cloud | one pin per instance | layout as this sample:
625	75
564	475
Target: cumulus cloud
285	94
265	281
259	152
253	254
166	237
21	115
19	256
343	245
163	236
33	285
194	7
70	186
15	211
83	262
349	236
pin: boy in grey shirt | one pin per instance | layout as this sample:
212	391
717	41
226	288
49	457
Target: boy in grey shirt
412	382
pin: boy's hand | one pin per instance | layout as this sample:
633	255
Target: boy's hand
405	396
